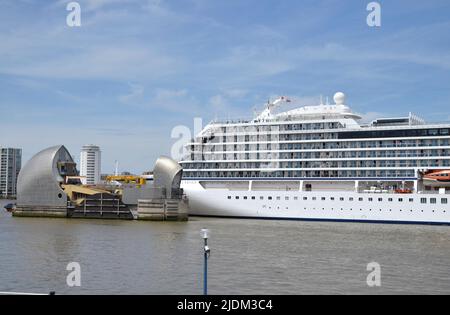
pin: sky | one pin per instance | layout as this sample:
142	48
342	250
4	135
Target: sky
135	69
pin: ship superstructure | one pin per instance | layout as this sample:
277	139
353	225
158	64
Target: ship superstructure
319	162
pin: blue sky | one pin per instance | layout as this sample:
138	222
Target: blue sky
136	68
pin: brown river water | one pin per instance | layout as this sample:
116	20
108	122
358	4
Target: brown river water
248	257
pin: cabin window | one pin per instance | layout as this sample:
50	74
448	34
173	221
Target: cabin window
390	199
444	201
261	198
237	197
350	199
341	199
229	197
323	198
305	198
278	198
253	197
245	197
380	199
270	198
295	198
411	200
286	198
361	199
423	200
400	199
433	200
370	199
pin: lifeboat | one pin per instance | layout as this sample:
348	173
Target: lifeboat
439	178
403	191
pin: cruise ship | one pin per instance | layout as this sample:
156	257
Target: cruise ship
320	163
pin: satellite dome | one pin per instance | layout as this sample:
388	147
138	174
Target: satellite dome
339	98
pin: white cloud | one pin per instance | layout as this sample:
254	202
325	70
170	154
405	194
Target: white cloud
175	101
101	62
135	95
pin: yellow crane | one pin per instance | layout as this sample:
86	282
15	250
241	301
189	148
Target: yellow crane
127	179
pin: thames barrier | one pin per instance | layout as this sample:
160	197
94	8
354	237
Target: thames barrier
50	186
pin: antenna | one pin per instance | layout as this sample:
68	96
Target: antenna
116	170
321	99
255	111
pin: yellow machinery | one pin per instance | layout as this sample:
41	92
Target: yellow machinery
78	194
127	179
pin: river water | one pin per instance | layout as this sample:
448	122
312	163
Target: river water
248	257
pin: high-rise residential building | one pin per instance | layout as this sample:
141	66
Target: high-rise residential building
90	164
10	164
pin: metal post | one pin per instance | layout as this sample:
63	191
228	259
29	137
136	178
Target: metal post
205	271
206	253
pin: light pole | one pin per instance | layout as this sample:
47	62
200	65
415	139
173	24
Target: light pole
206	253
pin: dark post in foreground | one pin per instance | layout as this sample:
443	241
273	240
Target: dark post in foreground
207	252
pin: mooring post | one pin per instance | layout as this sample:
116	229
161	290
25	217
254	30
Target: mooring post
206	254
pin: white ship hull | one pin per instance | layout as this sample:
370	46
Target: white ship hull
318	206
